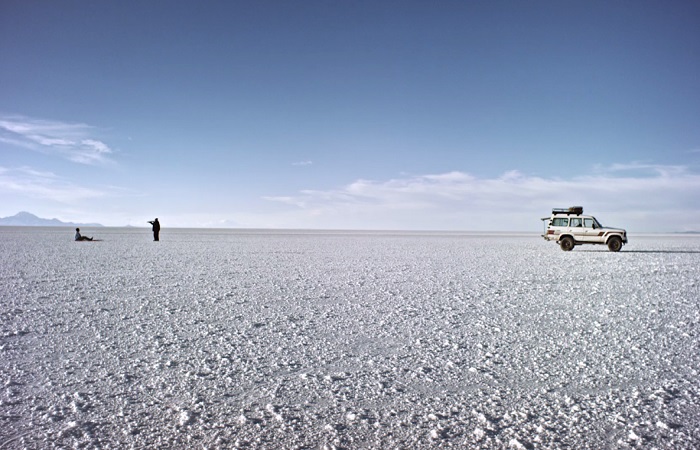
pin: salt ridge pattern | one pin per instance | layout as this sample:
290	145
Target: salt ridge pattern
270	339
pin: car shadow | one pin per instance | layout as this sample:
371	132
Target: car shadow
646	251
660	251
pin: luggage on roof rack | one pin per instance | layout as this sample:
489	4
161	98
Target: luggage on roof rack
569	210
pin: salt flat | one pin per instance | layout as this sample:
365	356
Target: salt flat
273	339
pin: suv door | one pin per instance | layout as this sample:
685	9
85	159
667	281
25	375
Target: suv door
557	225
576	229
590	232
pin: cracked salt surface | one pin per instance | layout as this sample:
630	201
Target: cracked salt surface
230	338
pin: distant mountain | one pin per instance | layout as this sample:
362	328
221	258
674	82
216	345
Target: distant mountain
25	219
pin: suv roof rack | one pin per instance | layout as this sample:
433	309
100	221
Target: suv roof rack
569	210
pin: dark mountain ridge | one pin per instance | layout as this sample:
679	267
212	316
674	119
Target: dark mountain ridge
25	219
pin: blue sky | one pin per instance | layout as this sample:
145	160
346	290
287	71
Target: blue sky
409	115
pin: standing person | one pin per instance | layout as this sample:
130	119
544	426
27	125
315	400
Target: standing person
79	237
156	229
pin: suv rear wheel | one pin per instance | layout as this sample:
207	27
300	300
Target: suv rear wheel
566	244
614	244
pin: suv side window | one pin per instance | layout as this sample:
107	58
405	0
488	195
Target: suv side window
588	223
560	221
575	222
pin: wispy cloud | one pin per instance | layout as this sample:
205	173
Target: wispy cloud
73	141
302	163
33	183
655	194
642	169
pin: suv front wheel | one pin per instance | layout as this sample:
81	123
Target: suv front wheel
566	244
614	244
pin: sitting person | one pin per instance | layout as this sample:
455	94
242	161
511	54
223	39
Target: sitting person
79	237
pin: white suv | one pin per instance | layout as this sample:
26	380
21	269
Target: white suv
569	227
